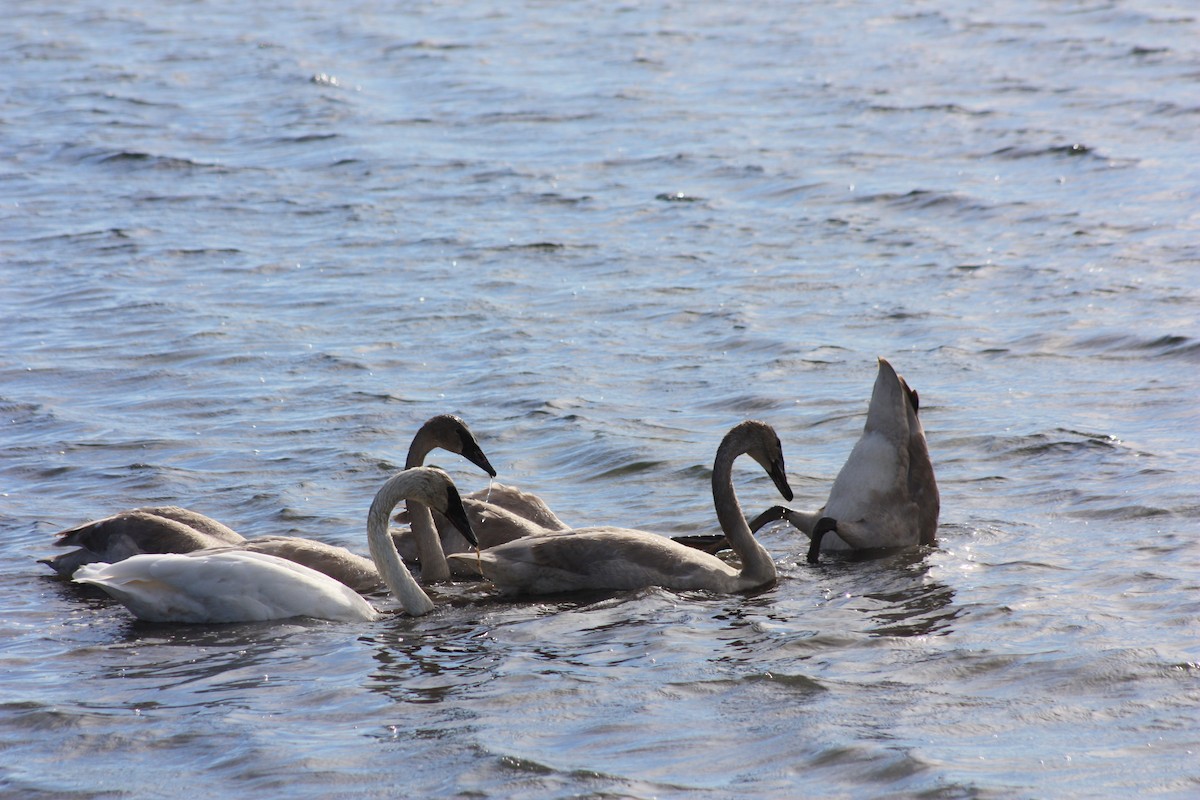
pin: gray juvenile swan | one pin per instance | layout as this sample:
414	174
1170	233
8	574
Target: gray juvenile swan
450	433
886	495
516	514
157	529
170	529
620	558
234	585
499	514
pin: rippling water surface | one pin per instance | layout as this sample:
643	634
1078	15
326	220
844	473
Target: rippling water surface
246	249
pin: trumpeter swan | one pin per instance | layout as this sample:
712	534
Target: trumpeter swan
621	558
170	529
234	585
886	495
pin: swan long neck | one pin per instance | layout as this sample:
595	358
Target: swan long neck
756	561
383	551
434	567
422	444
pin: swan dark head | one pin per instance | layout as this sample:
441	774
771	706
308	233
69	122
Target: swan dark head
449	433
758	440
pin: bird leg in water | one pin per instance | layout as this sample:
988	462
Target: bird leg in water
824	525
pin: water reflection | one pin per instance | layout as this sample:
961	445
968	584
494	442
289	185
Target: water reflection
415	664
906	601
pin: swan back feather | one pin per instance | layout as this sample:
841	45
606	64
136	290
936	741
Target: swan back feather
223	586
622	558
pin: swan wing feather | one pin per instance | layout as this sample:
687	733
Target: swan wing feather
223	586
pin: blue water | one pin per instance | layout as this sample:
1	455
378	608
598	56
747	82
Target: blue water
245	250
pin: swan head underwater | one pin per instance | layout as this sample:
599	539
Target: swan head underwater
886	495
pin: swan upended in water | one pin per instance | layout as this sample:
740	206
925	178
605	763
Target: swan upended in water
171	529
235	585
885	496
621	558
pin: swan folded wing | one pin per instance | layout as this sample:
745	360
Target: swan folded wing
158	529
522	504
223	586
355	571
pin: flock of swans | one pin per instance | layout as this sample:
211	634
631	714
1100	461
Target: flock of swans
170	564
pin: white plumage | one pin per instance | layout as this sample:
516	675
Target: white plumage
236	585
223	586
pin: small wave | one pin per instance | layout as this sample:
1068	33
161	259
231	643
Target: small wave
632	468
305	138
504	117
1120	512
537	247
1130	346
941	108
678	197
928	200
143	160
1041	444
1065	150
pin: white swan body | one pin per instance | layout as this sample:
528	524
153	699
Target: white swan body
209	586
620	558
886	495
171	529
235	585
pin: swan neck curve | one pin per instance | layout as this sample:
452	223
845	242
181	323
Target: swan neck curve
757	566
383	551
434	568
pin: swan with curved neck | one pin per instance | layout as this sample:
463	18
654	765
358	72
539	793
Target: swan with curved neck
450	433
621	558
499	514
171	529
494	524
233	585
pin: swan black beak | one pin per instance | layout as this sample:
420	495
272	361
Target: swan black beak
824	525
457	515
472	452
777	474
